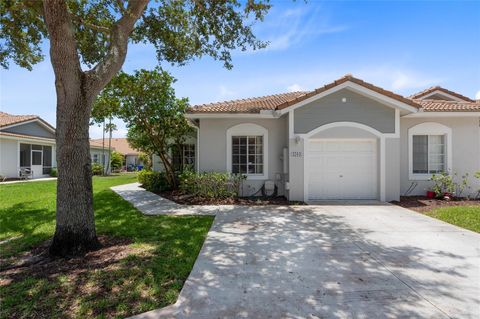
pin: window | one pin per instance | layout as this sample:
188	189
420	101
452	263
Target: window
430	150
247	154
428	154
247	146
25	155
95	158
183	157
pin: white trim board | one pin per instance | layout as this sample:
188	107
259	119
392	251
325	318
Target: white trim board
248	129
442	114
357	89
428	128
444	94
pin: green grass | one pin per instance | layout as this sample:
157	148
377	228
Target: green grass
165	250
464	216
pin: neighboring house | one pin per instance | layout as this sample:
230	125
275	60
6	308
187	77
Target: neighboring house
99	153
28	142
346	140
121	145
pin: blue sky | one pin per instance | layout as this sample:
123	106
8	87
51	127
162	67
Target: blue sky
401	46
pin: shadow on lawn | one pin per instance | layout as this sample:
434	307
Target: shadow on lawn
148	275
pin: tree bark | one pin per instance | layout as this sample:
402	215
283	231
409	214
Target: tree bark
76	91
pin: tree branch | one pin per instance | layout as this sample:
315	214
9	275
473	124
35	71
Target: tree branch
103	72
95	27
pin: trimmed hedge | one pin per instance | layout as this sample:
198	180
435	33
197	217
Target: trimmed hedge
97	169
210	185
153	181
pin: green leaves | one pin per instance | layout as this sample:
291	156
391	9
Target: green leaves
180	30
21	31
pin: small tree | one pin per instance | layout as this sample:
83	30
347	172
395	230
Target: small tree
116	160
154	116
146	159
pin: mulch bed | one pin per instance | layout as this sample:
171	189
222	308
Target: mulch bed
425	204
37	263
183	199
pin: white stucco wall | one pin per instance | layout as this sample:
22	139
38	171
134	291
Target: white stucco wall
8	158
465	150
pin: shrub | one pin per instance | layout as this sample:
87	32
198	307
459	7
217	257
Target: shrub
116	160
153	181
210	185
53	172
97	169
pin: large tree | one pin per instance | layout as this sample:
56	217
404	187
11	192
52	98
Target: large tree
88	45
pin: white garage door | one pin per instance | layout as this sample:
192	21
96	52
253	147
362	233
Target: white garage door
342	169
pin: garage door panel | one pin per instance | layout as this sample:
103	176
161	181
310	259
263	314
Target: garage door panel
342	169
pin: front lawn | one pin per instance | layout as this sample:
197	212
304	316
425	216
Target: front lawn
461	212
464	216
143	266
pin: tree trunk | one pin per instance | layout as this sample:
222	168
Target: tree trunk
76	90
75	230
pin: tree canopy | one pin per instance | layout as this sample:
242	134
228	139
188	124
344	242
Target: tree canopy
180	30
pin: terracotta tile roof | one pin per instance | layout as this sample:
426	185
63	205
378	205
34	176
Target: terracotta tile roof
281	101
27	136
119	144
9	119
439	88
448	106
350	78
250	105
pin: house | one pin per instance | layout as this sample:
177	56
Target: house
28	142
121	145
346	140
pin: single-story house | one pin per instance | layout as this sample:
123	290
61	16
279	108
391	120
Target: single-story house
121	145
346	140
28	142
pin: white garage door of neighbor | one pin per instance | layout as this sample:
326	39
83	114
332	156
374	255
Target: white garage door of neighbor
342	169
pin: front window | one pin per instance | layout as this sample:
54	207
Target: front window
428	154
247	155
95	158
184	157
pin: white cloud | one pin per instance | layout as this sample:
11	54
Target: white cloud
399	80
477	96
284	29
295	87
224	93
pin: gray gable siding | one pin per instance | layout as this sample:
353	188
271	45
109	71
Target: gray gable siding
438	96
32	129
358	108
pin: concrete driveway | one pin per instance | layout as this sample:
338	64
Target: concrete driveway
368	261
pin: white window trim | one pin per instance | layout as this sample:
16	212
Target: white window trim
248	129
428	128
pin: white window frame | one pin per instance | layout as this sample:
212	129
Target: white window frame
248	129
429	128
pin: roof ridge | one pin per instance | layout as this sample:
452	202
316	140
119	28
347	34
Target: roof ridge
444	90
246	99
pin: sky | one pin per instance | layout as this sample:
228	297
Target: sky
400	46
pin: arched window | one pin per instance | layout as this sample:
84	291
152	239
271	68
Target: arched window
247	150
429	150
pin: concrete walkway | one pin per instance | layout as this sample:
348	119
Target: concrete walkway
379	261
43	179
